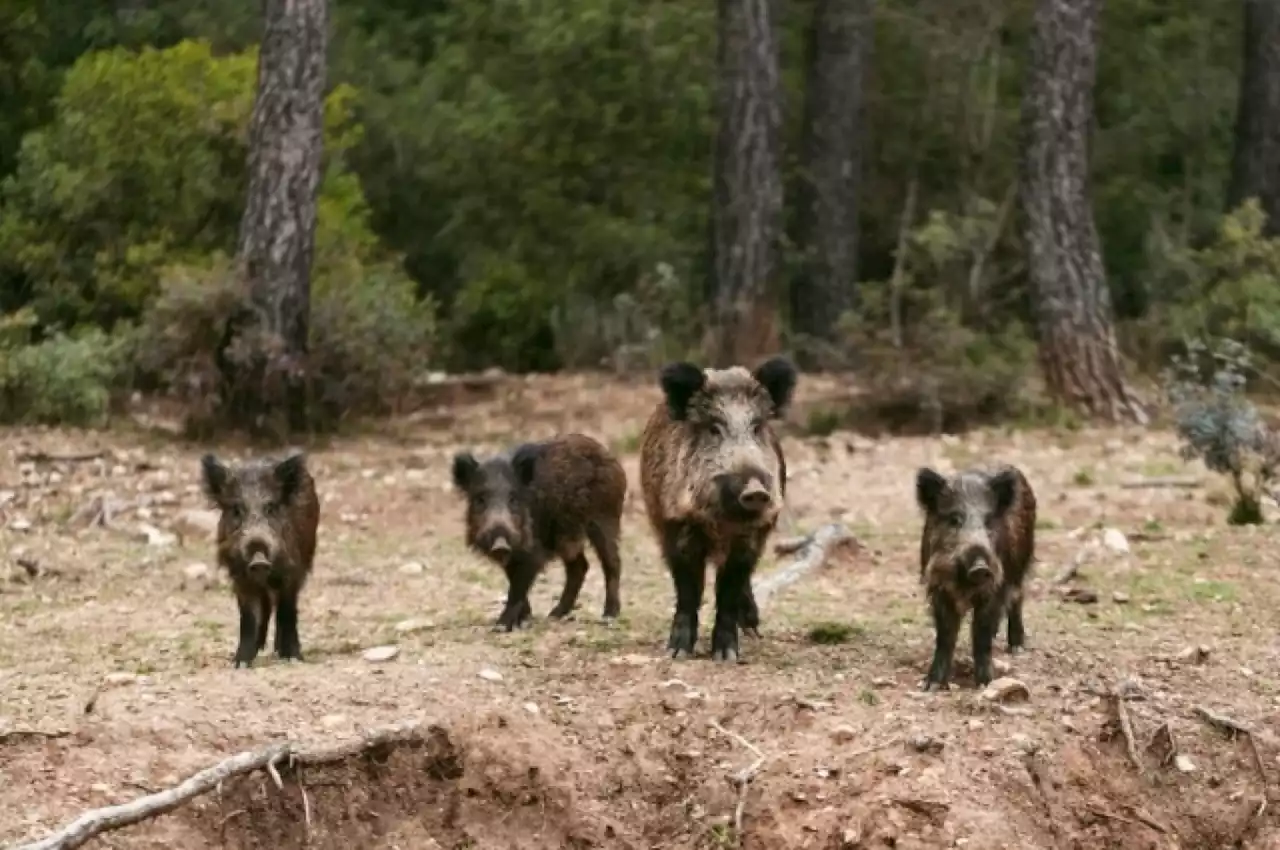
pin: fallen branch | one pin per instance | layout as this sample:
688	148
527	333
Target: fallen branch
107	819
1138	820
45	457
1232	728
814	552
15	735
742	779
1126	729
1162	483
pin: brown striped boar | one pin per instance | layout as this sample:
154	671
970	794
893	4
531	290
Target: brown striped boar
714	477
976	550
266	542
540	501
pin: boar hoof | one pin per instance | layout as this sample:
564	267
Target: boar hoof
727	653
684	630
559	612
930	684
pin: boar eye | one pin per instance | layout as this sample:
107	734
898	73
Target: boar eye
235	513
757	427
955	519
271	508
480	500
719	429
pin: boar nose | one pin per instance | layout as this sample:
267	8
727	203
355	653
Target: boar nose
754	496
977	563
500	547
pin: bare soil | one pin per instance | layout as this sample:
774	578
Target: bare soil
116	677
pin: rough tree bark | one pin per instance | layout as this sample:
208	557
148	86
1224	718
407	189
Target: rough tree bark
1077	341
1255	168
839	45
277	231
747	214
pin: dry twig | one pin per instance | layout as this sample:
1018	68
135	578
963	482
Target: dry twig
742	779
97	821
1161	483
45	457
16	735
814	552
1232	728
1126	729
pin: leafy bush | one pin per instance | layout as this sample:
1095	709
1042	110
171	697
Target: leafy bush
1218	425
64	379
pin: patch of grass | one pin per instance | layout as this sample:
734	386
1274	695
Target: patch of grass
1208	590
1083	478
1153	526
868	697
1046	524
1160	468
828	633
822	422
628	443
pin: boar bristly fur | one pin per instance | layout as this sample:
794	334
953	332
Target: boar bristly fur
714	477
976	550
540	501
266	542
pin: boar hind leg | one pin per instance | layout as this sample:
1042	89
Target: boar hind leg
604	539
251	611
288	644
986	622
733	584
575	572
684	548
946	627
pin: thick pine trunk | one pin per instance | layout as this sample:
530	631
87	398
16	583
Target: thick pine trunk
747	215
277	232
827	228
1255	170
1077	340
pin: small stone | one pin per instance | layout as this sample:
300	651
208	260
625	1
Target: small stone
1184	763
196	571
490	675
1115	540
379	654
413	568
410	626
1120	597
630	660
154	536
1024	743
20	524
1001	666
332	721
843	734
121	678
926	744
1082	595
1005	688
530	707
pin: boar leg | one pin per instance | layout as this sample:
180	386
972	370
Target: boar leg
1017	632
604	539
264	623
250	611
684	549
946	627
288	644
517	612
733	581
575	572
749	613
986	622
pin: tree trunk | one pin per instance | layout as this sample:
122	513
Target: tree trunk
277	232
1255	169
747	215
827	229
1077	340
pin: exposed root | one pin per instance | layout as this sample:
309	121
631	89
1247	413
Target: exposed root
1126	729
109	818
1232	728
1162	483
45	457
16	735
742	779
814	550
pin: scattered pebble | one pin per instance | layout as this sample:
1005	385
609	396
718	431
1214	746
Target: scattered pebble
530	707
121	678
381	653
630	660
1005	688
196	571
1184	763
416	624
1115	540
926	744
1082	595
1120	597
490	675
843	734
332	721
413	568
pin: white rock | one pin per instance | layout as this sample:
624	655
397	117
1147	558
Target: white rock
1120	597
416	624
120	678
413	568
381	653
332	721
1115	540
530	707
843	734
490	675
196	571
20	524
154	536
1184	763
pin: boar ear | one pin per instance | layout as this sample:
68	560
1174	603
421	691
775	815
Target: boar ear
465	467
214	479
929	487
288	473
679	382
1004	486
525	461
778	377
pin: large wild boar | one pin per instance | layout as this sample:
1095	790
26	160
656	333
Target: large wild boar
714	477
976	549
541	501
266	543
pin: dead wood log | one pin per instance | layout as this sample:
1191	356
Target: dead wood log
814	550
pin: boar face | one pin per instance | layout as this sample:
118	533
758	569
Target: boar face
961	517
497	516
732	464
255	539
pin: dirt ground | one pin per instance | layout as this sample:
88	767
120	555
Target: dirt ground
116	641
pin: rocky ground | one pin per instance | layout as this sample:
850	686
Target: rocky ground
116	635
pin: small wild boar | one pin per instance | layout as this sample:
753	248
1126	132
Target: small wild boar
266	542
714	477
540	501
976	549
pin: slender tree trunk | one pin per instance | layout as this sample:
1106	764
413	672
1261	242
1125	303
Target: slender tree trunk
277	232
747	215
1255	170
1077	340
827	230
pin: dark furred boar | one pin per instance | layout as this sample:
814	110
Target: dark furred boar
714	477
541	501
976	548
266	542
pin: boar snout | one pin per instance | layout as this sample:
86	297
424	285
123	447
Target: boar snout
747	491
497	542
975	560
